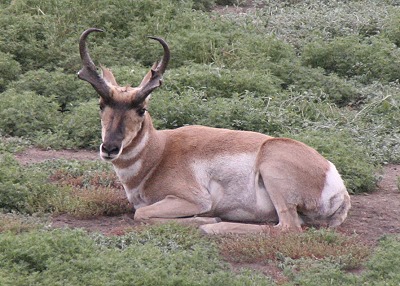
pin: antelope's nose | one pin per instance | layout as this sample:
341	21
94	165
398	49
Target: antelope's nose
110	149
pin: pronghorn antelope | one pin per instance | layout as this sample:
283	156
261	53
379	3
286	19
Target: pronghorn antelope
199	172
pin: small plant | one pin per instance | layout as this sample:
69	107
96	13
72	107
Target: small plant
23	190
87	190
17	223
312	244
23	113
9	69
13	144
43	257
382	267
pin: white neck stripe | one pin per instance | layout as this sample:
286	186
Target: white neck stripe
137	149
125	174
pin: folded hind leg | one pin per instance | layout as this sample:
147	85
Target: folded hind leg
282	198
289	219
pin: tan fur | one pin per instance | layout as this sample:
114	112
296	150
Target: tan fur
292	172
198	171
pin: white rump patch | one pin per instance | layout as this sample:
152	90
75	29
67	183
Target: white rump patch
333	193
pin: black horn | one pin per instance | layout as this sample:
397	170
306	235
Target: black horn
154	78
89	71
162	66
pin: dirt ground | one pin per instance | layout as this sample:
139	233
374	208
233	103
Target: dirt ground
371	216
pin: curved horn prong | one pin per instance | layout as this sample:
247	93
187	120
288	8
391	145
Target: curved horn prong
162	66
154	78
89	71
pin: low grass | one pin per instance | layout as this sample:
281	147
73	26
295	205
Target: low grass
165	255
382	268
171	254
17	223
312	244
322	72
82	189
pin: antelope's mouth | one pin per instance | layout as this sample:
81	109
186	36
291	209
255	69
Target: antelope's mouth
105	157
108	156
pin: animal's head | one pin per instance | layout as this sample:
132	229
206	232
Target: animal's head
123	109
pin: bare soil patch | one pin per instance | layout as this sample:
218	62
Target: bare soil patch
371	216
36	155
376	214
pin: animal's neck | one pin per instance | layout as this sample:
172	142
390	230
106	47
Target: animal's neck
141	155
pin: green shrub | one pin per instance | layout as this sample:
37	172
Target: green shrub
29	39
38	118
221	82
48	257
298	78
381	269
385	264
367	60
302	22
66	88
18	223
21	189
23	113
9	70
391	27
347	252
240	111
82	124
13	144
378	122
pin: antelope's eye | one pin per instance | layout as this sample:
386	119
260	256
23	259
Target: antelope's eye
101	106
141	111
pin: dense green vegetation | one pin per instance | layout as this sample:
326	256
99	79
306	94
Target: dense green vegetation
287	69
323	72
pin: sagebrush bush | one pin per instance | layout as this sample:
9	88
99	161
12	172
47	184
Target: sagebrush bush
214	82
21	189
48	257
366	60
299	78
302	22
82	125
9	70
13	144
23	113
322	244
66	89
382	268
19	223
240	111
385	265
87	190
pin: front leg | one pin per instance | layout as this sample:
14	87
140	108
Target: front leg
173	207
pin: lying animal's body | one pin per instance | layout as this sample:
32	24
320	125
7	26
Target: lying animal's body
198	171
233	175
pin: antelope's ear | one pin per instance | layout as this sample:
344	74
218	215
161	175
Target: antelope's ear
108	77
